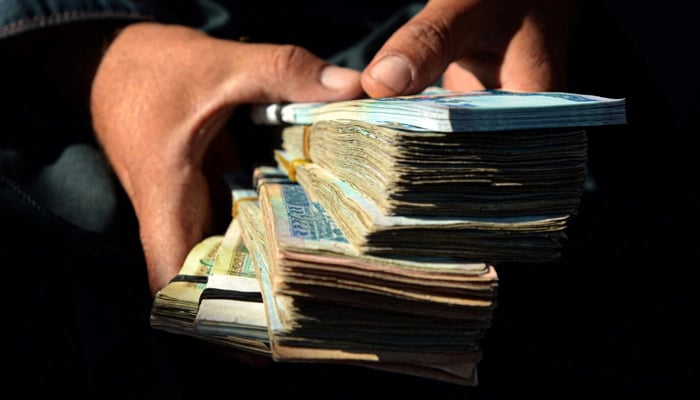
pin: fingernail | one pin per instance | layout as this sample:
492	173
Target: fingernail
337	78
393	72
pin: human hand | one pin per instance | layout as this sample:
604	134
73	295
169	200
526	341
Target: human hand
513	45
159	101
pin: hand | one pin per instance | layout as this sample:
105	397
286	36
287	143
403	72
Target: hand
513	45
159	101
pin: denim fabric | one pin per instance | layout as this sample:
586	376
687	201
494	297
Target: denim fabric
300	22
17	16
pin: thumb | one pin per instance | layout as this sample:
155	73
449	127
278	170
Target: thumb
415	56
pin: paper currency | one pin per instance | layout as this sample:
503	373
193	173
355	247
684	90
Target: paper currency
374	241
307	250
533	238
229	322
175	306
330	339
478	111
503	173
231	302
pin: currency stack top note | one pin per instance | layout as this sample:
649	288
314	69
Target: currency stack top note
442	111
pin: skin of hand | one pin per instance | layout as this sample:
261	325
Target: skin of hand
159	102
479	44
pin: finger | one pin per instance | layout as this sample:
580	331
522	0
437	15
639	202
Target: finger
172	221
459	79
195	203
537	53
418	52
273	73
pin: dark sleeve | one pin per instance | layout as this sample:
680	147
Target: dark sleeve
18	16
53	46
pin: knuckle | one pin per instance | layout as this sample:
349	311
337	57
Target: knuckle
284	57
431	38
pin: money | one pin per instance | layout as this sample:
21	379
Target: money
375	239
305	242
533	238
364	337
504	173
495	196
175	306
231	302
477	111
214	270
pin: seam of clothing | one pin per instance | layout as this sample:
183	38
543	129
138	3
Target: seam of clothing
42	21
40	210
48	216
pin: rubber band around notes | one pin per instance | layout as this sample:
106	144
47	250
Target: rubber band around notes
234	209
290	166
190	278
292	170
307	140
223	294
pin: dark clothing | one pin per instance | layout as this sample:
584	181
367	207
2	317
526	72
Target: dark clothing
613	317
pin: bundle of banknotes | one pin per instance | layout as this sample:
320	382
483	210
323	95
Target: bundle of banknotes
376	237
440	110
325	303
216	296
496	179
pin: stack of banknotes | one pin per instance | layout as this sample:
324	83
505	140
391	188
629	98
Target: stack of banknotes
501	188
439	110
376	238
327	303
216	296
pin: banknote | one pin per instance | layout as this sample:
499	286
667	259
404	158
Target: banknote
475	111
296	342
305	262
175	306
310	258
231	302
533	238
300	223
502	173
